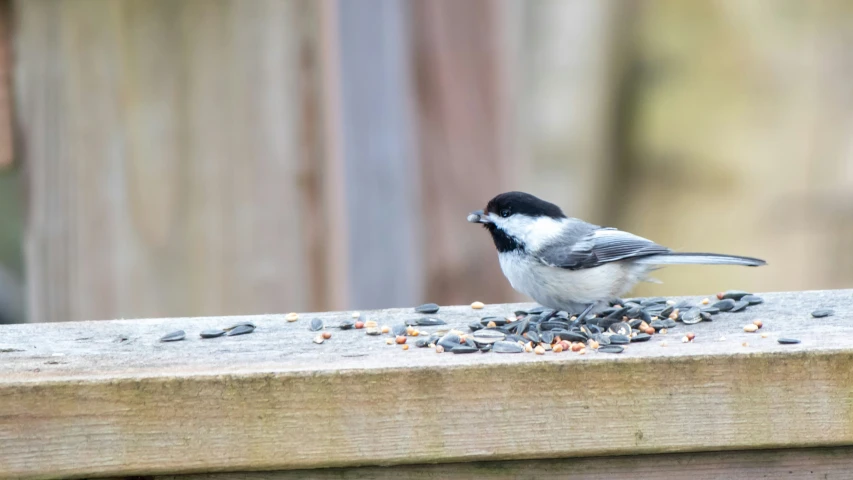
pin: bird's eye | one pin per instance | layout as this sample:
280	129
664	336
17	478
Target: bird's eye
505	213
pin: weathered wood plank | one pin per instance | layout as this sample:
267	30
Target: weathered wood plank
107	398
175	159
790	464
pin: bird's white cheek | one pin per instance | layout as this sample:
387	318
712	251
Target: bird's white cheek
533	232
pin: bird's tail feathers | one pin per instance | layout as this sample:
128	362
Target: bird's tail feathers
700	259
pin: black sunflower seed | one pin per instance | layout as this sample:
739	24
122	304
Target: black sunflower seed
316	325
427	308
464	349
241	330
536	310
605	323
691	316
347	324
533	337
520	327
212	333
422	342
499	321
431	322
574	337
619	340
735	294
449	341
486	347
788	341
641	337
724	305
507	347
618	313
553	325
752	299
488	336
711	310
399	330
635	323
666	311
620	328
825	312
740	306
547	337
669	323
232	327
174	336
611	349
474	326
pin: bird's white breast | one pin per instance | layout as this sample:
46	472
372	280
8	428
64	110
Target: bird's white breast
565	289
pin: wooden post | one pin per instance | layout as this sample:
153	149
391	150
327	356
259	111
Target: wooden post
380	164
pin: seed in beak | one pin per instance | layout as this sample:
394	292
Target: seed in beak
477	217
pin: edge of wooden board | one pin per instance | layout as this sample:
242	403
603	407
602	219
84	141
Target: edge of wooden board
385	416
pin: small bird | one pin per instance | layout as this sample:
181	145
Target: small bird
567	264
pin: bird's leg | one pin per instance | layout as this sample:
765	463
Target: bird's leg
586	311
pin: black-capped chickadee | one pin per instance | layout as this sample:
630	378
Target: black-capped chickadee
567	264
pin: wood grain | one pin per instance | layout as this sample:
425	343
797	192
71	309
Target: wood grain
790	464
106	398
174	155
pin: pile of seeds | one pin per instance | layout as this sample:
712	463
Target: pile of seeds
539	329
624	322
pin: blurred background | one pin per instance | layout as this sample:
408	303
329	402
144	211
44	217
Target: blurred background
215	157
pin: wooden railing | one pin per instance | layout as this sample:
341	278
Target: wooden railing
109	398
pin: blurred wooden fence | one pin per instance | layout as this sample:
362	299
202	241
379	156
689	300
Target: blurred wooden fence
214	157
223	157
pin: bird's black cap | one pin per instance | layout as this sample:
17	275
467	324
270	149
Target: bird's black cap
524	204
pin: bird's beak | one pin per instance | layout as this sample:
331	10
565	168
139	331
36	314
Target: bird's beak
478	217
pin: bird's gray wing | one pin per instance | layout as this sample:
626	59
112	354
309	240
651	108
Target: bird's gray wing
600	246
